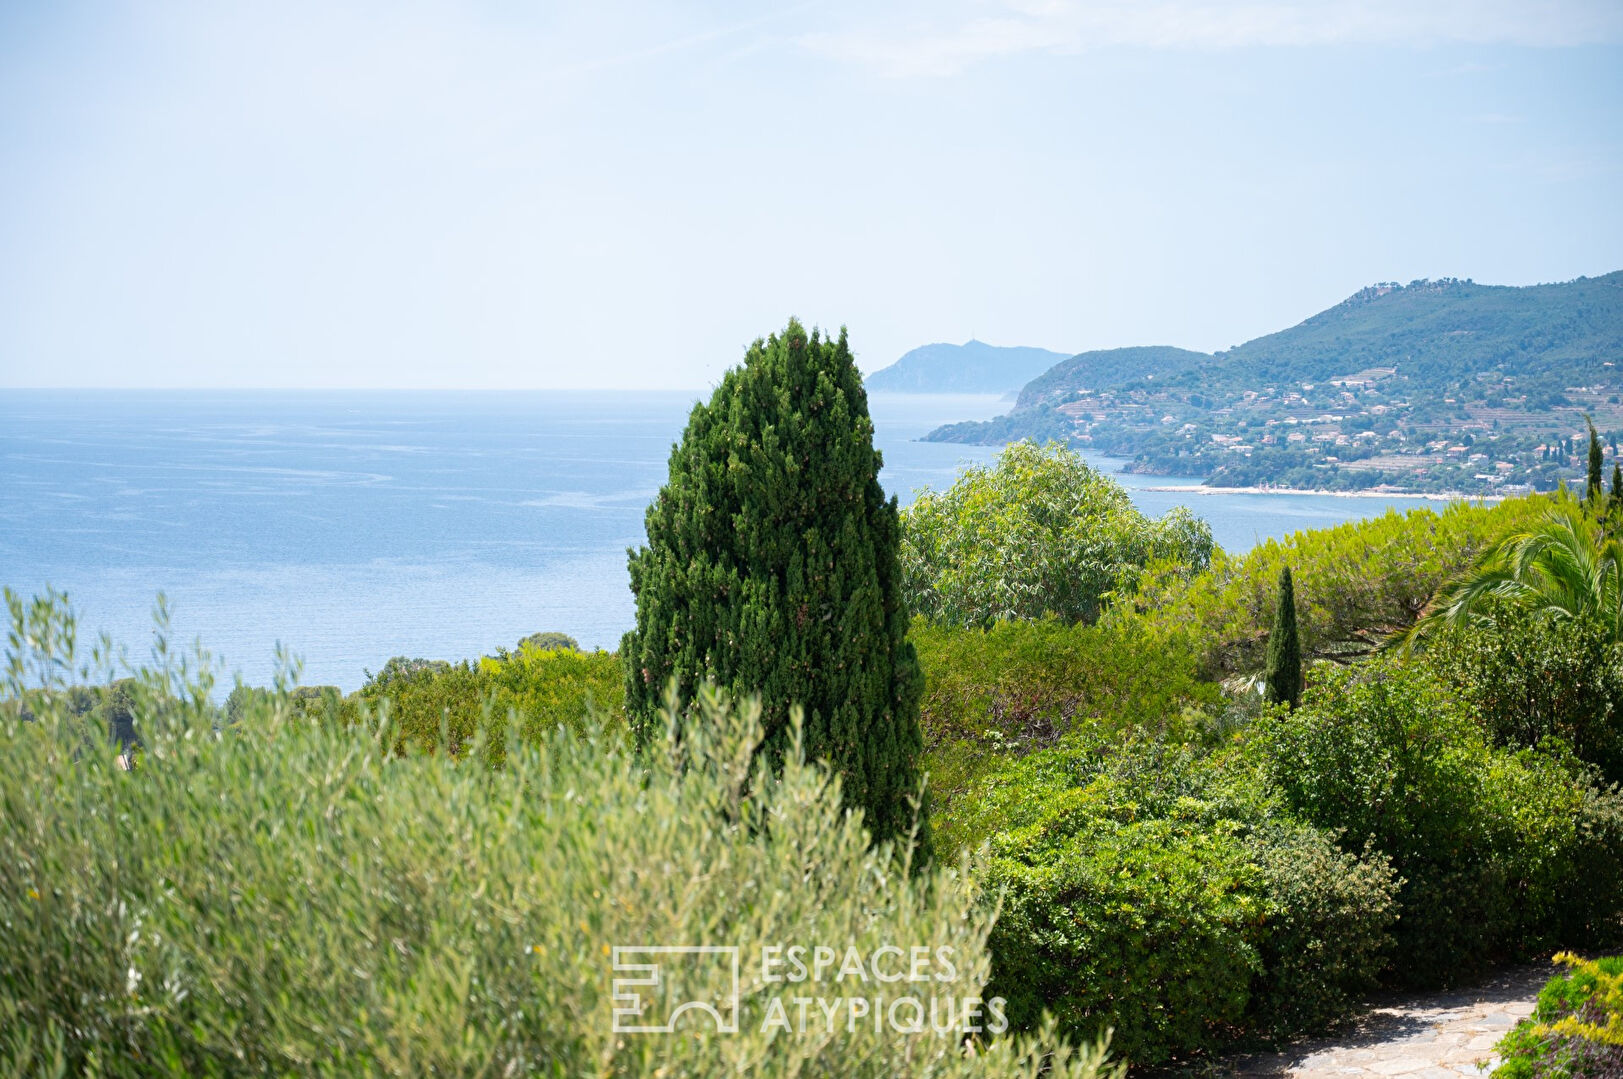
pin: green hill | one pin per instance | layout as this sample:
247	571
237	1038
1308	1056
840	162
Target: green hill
1448	332
1432	385
1107	367
972	367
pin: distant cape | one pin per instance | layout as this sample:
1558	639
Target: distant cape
972	367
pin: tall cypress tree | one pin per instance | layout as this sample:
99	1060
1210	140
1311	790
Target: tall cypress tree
1282	681
771	569
1615	502
1592	489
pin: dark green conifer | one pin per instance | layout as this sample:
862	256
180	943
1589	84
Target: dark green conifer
771	569
1592	489
1615	502
1282	682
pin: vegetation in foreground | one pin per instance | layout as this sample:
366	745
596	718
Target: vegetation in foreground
1576	1031
1153	846
286	896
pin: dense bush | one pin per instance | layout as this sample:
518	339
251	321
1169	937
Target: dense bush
549	685
771	569
522	695
436	707
549	639
1326	916
1356	583
1162	894
1037	533
1021	686
1576	1029
284	897
1501	852
1527	676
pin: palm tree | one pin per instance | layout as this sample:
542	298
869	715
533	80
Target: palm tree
1566	564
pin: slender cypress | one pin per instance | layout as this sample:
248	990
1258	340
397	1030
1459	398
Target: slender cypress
1282	682
1592	489
1615	503
771	569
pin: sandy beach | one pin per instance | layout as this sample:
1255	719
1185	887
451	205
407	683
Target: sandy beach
1435	496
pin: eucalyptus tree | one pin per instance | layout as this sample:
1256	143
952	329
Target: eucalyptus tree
1038	533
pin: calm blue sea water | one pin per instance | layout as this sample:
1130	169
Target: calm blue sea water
353	526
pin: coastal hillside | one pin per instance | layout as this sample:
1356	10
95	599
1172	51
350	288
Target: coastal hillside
1107	367
1434	385
972	367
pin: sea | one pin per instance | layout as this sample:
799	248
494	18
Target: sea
352	526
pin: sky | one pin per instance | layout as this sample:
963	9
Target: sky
624	195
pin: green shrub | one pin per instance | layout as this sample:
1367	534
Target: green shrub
1527	676
398	666
1038	533
1160	893
282	897
548	640
1356	583
1501	852
1136	925
1576	1029
548	685
433	704
1326	919
1018	687
439	706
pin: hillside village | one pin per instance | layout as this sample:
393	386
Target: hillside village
1481	392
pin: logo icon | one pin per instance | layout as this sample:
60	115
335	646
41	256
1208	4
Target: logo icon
678	979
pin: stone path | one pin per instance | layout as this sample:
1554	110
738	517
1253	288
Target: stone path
1444	1035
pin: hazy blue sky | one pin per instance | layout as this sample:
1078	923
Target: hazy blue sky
625	194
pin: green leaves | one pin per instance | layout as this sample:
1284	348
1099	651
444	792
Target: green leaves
1039	533
1565	562
1164	894
285	897
770	568
1501	851
1355	584
1282	678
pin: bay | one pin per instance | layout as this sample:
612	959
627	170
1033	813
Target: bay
353	526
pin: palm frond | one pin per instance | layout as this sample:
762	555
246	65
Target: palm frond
1565	564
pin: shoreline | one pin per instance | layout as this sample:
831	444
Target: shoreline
1434	496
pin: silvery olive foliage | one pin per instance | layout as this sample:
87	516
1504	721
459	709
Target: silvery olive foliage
286	896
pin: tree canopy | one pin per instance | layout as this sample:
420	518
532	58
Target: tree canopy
771	568
1039	532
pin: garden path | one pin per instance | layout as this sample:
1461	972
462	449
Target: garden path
1443	1035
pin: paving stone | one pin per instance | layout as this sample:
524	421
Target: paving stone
1440	1036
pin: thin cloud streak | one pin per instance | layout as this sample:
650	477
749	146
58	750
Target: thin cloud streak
687	41
944	48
